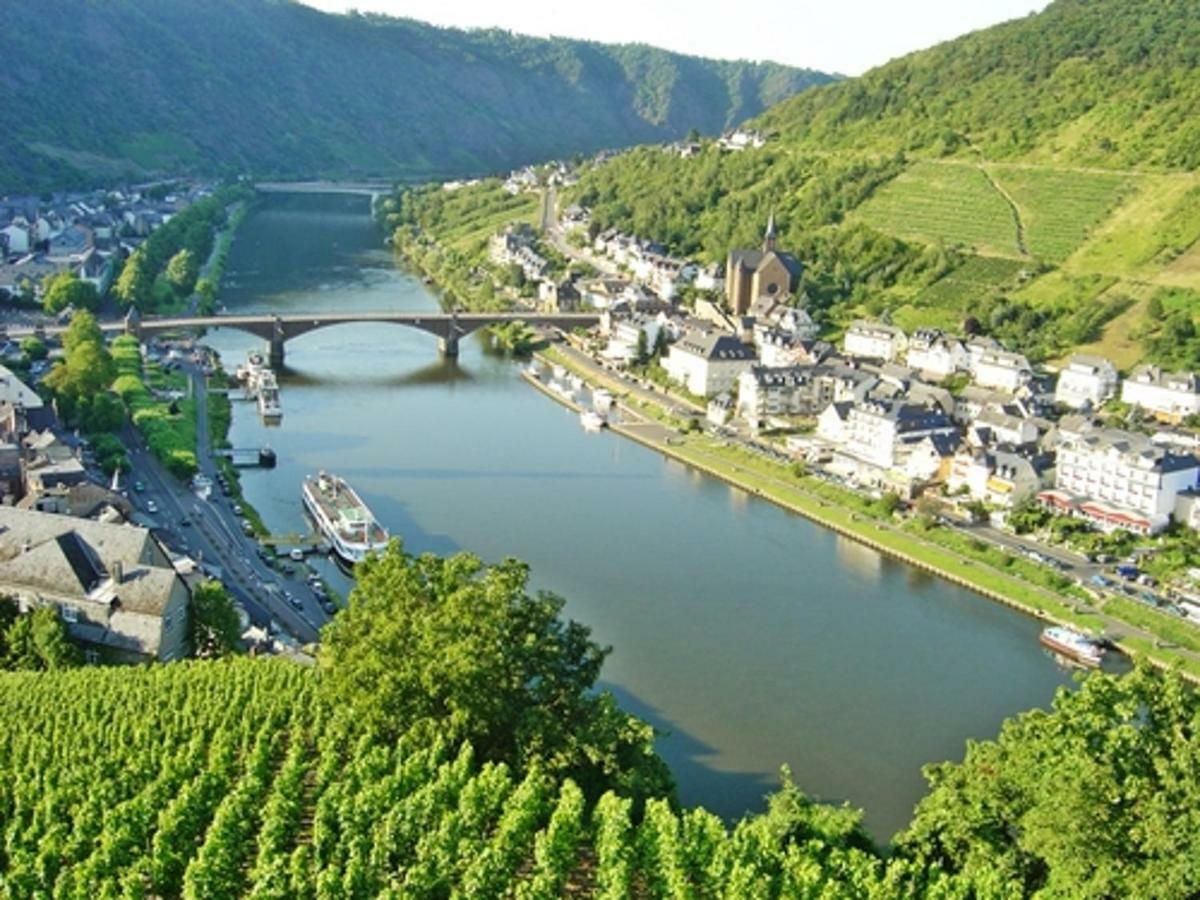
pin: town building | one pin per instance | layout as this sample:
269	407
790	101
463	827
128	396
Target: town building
751	274
873	340
113	585
935	354
1001	370
875	432
764	392
707	363
1119	480
1171	396
998	477
1086	382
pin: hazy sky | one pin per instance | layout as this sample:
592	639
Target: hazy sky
847	36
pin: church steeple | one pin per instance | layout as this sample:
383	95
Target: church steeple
769	237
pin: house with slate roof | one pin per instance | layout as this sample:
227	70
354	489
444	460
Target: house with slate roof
113	585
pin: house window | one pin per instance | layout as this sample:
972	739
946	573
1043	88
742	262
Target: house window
91	657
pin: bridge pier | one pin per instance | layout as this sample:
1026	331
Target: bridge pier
448	346
275	345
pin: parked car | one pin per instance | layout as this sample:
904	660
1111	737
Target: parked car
151	506
1127	571
297	554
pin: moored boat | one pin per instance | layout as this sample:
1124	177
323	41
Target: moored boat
602	401
1071	644
343	518
268	398
591	420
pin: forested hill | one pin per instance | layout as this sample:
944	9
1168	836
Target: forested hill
274	87
1036	180
1094	82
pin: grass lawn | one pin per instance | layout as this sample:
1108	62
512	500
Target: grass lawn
1151	236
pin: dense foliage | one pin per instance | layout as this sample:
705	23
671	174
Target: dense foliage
1108	83
948	188
234	777
1099	797
163	270
168	425
278	88
34	641
450	639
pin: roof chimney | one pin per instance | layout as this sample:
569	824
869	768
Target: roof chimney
117	571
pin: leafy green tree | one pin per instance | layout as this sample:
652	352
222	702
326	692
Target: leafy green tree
1098	797
38	641
134	285
453	639
68	289
213	622
103	413
34	347
182	272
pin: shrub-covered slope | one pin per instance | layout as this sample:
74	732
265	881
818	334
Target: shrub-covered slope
274	87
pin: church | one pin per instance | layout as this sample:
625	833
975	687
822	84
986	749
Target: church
754	274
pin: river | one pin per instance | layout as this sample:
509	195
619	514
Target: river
752	637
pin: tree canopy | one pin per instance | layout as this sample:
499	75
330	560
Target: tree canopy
67	289
214	624
456	640
1097	797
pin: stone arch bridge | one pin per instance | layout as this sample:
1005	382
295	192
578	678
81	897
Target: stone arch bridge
277	330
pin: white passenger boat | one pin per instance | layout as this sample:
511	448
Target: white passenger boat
342	517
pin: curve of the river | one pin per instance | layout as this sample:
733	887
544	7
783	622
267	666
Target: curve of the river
752	637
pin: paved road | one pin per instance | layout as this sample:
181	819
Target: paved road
553	233
209	531
304	620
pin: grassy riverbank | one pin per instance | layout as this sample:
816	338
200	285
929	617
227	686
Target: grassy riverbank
220	418
978	567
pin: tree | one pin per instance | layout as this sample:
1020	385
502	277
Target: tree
68	289
213	623
1098	797
642	351
135	283
182	272
455	640
102	414
34	347
38	641
83	329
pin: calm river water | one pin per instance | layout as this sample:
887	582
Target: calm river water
749	635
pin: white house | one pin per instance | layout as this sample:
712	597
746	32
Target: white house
873	340
1120	480
1003	428
765	392
708	363
711	278
1172	396
623	345
935	354
17	237
1002	370
875	429
1086	382
996	477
